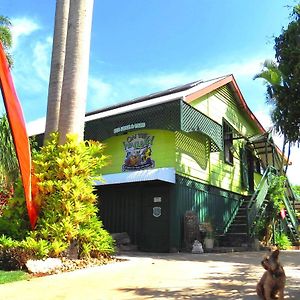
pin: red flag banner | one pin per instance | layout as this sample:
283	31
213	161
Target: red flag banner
19	133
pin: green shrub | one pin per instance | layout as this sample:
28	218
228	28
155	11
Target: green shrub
282	241
12	255
68	211
276	193
14	221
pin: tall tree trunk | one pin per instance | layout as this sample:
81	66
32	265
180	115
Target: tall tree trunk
57	66
74	89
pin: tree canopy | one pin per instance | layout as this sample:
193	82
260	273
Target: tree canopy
6	37
283	80
287	54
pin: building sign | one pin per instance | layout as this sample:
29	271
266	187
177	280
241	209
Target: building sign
138	152
156	199
129	127
156	211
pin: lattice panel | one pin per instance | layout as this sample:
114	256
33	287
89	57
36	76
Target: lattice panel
194	144
194	120
162	116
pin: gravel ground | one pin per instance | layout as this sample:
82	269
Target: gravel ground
160	276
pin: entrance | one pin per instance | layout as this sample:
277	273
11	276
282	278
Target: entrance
155	219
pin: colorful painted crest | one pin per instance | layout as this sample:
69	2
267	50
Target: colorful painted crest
138	148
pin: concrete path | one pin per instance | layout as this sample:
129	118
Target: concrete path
160	276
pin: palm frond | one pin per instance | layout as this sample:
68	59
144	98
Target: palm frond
270	73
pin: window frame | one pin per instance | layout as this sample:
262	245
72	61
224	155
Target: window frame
227	142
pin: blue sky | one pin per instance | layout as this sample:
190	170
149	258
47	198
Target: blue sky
139	47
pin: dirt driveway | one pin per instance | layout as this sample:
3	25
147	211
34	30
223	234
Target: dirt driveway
160	276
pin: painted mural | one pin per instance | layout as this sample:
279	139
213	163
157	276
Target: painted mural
138	151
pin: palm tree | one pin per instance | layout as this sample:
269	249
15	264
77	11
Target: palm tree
6	37
9	168
75	78
276	87
57	66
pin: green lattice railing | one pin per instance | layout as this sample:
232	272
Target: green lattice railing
291	219
257	203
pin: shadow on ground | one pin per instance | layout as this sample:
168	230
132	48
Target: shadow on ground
237	283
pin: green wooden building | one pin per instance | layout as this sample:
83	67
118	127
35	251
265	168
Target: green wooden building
196	147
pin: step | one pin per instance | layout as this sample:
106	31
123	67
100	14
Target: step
234	240
240	217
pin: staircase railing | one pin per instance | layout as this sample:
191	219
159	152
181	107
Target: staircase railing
291	219
233	215
255	205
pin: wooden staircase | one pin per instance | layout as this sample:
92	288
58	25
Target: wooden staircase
291	219
239	232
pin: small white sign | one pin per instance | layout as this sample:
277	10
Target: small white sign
156	199
130	127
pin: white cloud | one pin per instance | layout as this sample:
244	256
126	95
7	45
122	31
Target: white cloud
100	93
241	69
31	54
41	58
22	27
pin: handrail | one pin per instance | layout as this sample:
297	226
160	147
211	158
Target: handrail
291	212
259	196
265	177
289	188
232	215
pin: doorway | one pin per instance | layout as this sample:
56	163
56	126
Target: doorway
155	219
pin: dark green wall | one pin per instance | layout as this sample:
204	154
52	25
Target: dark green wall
208	202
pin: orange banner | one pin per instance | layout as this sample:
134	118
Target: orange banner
19	133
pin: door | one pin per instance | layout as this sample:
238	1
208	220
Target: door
155	219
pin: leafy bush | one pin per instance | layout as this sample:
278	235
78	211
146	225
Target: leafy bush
12	255
282	241
276	192
68	213
14	221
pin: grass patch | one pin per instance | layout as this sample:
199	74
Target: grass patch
11	276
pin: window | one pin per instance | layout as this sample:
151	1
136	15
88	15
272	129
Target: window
228	142
257	165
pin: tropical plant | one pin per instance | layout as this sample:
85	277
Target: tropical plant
296	190
14	221
282	241
276	86
283	82
9	168
68	211
6	37
268	223
287	53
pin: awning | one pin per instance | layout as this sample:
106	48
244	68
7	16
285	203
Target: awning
163	174
266	149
